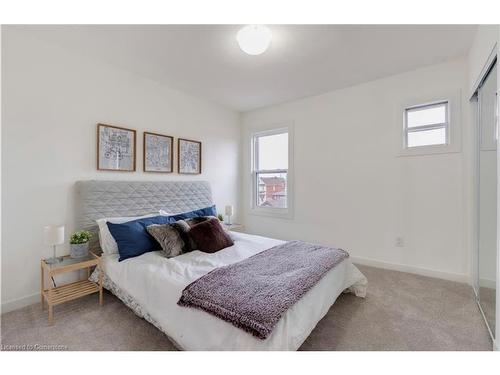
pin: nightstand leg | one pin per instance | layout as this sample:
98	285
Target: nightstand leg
49	301
51	315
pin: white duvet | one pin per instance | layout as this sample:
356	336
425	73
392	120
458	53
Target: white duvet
156	283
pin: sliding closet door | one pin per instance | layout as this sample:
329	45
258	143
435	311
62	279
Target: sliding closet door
487	257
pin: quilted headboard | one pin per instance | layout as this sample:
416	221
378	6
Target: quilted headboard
98	199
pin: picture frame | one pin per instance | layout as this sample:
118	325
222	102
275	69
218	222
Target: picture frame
188	156
158	153
116	148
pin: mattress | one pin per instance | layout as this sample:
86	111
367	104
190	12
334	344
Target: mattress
152	285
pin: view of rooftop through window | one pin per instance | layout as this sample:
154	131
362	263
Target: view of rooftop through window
271	170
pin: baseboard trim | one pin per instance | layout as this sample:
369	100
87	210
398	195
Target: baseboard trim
487	283
15	304
462	278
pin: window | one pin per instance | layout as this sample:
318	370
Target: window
427	125
270	170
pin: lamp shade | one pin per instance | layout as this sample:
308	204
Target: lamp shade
229	210
53	235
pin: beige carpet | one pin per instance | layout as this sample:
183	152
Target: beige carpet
401	312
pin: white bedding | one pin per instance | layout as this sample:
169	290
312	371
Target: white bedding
156	284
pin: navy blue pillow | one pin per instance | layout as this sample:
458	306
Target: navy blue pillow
207	211
132	237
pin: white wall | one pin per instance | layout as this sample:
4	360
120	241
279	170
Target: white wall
482	47
52	101
351	189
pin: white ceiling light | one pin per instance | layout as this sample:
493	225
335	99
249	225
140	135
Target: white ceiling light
254	39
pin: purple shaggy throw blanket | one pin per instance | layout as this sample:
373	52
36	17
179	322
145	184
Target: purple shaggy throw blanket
255	293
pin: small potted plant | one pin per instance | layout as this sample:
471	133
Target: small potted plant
79	244
220	217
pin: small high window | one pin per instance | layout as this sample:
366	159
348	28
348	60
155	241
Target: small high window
427	125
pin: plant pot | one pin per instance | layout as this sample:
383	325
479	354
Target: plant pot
80	250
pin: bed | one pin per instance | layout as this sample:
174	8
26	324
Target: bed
151	285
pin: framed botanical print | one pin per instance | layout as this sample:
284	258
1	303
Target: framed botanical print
189	156
115	148
158	153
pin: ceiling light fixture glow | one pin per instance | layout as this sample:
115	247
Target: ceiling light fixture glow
254	39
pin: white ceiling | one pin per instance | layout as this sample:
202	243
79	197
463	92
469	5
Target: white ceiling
205	60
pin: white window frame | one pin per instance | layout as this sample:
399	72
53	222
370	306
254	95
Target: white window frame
453	122
287	212
445	124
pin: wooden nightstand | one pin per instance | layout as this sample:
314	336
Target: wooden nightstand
67	292
234	227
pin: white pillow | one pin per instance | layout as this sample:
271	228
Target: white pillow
106	240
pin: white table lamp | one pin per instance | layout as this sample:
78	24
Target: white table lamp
229	212
53	235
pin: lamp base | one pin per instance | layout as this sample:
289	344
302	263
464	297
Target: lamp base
53	260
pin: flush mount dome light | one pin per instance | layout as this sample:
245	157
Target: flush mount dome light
254	39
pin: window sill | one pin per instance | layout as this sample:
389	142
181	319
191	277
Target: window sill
278	213
428	150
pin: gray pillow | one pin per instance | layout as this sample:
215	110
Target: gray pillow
168	237
183	227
